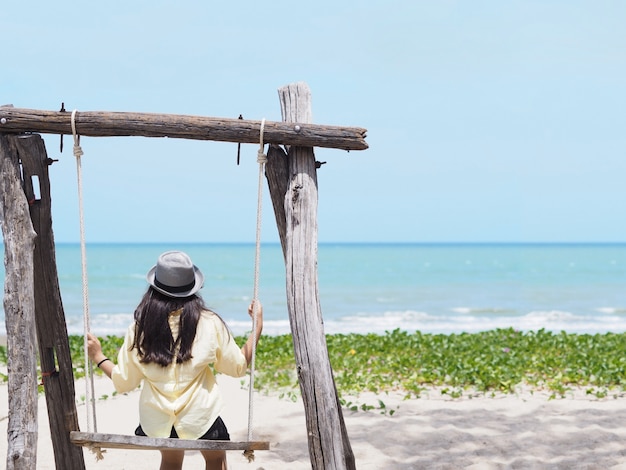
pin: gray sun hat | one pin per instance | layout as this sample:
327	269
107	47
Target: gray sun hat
175	275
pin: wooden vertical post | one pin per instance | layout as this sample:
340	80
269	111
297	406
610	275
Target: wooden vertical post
54	350
277	174
329	447
19	311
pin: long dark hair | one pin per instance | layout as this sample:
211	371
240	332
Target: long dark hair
153	337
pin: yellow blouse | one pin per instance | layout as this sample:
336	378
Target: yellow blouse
185	395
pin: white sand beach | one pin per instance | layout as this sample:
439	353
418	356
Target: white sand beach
522	431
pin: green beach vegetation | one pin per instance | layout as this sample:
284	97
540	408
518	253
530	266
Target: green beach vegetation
491	362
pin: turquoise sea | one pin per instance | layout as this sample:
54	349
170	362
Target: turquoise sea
434	288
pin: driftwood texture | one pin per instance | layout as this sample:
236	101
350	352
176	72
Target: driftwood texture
54	350
19	311
107	124
294	179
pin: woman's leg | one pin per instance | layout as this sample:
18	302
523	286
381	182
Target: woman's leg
215	459
172	459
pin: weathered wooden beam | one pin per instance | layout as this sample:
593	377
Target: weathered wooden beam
329	446
19	312
109	124
54	349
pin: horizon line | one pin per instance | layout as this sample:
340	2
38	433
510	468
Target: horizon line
349	243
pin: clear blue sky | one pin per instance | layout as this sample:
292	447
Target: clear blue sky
487	120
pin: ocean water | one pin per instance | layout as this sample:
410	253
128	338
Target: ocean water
372	288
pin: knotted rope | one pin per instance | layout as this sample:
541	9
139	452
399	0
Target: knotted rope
89	383
261	160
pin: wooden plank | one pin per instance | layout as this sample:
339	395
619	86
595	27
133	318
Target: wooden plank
108	124
19	312
120	441
54	350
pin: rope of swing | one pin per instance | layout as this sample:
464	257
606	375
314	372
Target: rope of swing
261	160
89	375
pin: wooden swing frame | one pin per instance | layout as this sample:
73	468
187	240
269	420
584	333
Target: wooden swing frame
292	180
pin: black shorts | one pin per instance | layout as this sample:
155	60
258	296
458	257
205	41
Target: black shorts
217	432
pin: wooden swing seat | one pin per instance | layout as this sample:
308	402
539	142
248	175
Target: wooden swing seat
120	441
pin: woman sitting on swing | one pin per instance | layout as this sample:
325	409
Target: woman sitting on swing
170	346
